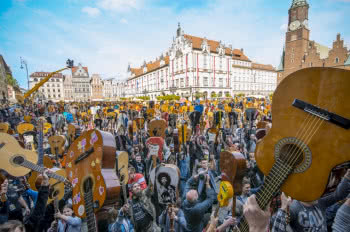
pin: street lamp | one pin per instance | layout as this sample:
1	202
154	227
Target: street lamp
24	62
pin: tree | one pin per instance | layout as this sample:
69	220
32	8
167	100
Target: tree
12	81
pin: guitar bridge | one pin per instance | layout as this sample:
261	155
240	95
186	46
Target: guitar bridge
322	113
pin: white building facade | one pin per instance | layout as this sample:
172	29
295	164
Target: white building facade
198	65
81	83
53	89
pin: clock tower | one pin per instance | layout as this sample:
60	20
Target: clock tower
297	36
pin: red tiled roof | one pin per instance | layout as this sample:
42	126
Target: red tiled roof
197	44
150	67
267	67
74	69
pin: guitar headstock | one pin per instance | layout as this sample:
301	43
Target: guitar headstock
4	127
157	127
25	127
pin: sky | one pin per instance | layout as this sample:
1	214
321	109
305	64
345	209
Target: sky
107	35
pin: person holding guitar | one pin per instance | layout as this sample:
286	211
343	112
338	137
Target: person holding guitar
313	214
68	222
31	223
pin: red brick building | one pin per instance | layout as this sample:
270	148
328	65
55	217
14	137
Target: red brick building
300	52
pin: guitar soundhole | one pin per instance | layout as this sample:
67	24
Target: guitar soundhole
291	154
87	185
18	160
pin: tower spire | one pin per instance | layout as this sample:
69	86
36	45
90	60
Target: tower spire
297	3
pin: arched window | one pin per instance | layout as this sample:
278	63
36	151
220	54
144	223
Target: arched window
336	60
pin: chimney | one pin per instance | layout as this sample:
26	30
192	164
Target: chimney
242	50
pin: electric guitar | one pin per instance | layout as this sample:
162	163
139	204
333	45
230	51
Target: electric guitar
296	156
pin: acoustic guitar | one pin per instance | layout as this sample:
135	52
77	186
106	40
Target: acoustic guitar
73	132
90	167
296	155
24	127
57	146
17	162
4	127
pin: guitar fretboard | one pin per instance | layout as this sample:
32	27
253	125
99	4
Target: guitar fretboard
272	183
39	169
89	209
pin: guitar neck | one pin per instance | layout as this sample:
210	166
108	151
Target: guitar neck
37	168
273	181
89	209
40	148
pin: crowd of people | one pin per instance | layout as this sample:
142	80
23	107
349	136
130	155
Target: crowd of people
193	201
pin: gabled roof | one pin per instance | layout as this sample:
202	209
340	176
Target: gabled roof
197	44
75	68
150	67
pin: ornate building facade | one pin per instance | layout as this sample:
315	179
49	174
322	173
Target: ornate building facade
53	89
198	65
68	88
96	87
81	83
300	52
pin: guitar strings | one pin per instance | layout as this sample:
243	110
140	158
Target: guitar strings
244	225
291	151
300	131
307	138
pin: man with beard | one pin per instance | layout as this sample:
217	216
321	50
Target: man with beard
141	210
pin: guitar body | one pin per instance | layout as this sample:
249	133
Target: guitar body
123	165
166	179
326	88
34	175
155	147
90	161
9	150
24	127
56	187
57	144
156	128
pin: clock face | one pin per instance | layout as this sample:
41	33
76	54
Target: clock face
306	23
294	25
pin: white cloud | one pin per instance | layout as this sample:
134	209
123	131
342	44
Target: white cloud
92	12
120	5
123	20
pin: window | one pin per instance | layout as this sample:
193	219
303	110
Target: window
221	83
310	64
204	61
53	90
337	60
48	90
205	81
49	96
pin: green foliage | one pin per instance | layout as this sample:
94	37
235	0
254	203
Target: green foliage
12	81
240	95
213	95
227	94
169	97
123	98
145	98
